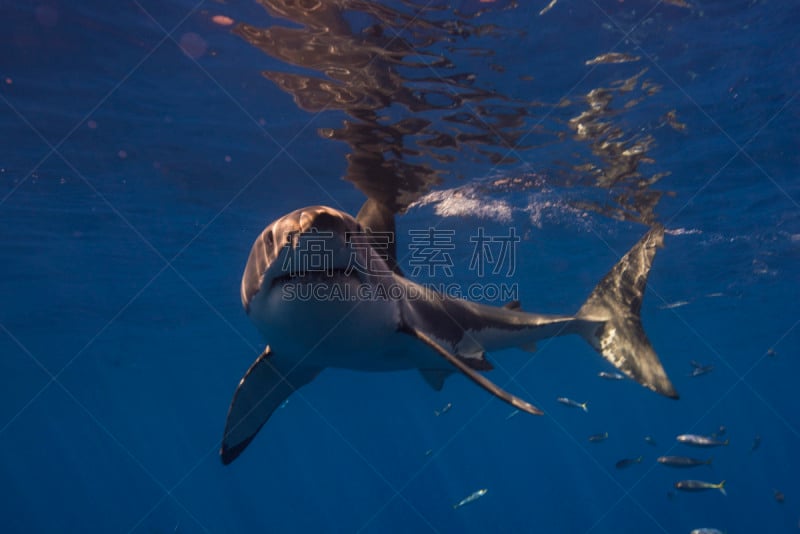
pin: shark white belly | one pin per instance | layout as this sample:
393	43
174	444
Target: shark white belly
336	331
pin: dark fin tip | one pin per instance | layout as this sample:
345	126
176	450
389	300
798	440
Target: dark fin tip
229	454
479	364
668	391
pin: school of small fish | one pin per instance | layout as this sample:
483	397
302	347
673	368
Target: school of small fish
711	440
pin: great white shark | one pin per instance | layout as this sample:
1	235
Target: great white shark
394	323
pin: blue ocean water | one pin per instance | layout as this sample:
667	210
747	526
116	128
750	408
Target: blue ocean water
146	145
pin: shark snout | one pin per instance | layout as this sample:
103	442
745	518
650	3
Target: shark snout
327	221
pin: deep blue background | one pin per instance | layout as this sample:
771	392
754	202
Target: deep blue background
122	335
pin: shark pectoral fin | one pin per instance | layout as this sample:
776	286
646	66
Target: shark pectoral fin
435	377
264	387
476	377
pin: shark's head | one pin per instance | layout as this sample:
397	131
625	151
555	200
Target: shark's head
309	245
317	245
314	283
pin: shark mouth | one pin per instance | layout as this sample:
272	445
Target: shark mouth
315	276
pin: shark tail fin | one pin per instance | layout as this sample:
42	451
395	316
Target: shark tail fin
611	317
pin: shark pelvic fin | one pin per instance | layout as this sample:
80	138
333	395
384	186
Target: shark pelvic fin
435	377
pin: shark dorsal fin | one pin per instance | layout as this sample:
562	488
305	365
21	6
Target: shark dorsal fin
375	217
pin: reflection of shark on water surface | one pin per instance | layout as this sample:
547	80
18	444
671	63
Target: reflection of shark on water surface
412	327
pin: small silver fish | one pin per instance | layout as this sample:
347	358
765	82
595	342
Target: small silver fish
575	404
548	7
444	410
706	531
699	485
611	376
682	461
596	438
473	497
696	440
612	57
650	440
680	3
627	462
699	369
676	304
